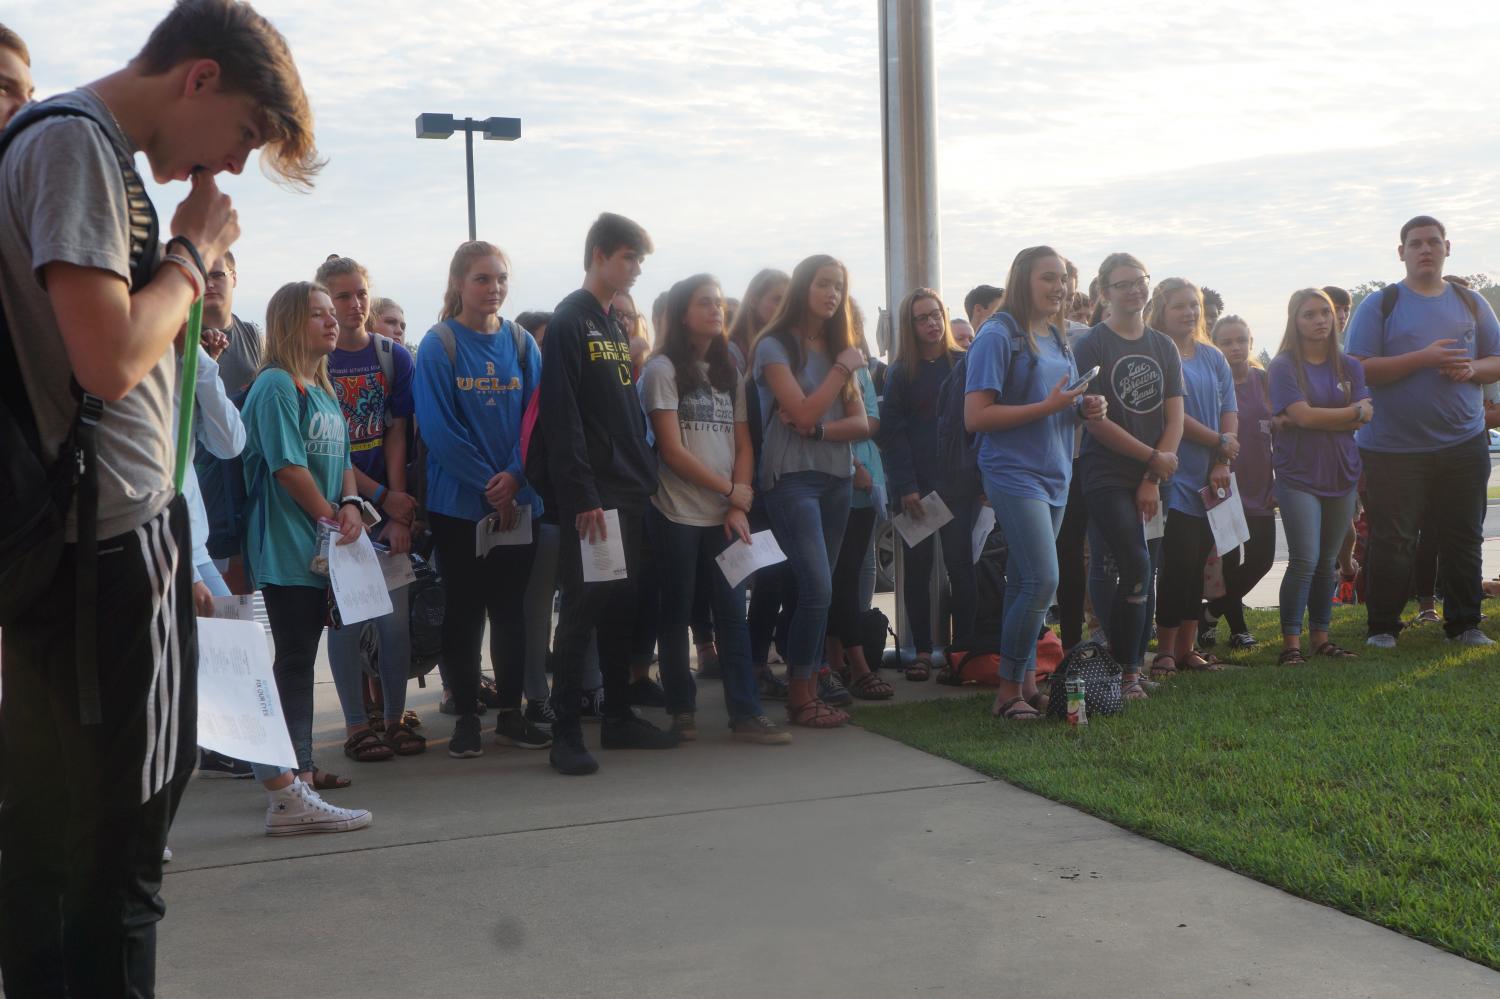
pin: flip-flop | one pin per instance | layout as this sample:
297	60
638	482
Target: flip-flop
1015	710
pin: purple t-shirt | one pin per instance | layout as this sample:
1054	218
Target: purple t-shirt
1321	462
368	402
1252	470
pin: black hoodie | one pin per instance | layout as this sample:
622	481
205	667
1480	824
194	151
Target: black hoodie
591	416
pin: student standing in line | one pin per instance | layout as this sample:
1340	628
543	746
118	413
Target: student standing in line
388	319
1252	471
982	302
297	473
93	303
470	404
376	412
810	407
1426	346
1321	392
762	300
1210	443
696	402
1126	457
542	586
16	88
596	459
1019	400
914	466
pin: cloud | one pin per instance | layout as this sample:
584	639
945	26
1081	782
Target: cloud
1256	149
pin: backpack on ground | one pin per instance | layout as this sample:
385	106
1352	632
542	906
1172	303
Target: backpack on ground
975	657
39	489
874	627
426	600
1091	663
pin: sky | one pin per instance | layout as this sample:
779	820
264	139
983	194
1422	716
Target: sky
1255	148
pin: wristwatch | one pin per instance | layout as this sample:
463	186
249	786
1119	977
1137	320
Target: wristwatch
818	432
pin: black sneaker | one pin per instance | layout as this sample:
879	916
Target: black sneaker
631	732
512	729
540	713
591	704
217	766
465	741
647	693
489	696
831	689
570	757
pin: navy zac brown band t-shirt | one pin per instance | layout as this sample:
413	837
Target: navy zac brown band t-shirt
1137	377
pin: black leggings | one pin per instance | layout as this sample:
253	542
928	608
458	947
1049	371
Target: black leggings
1072	572
473	588
1184	549
1240	577
845	612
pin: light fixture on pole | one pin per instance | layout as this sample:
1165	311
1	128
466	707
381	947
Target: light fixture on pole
440	126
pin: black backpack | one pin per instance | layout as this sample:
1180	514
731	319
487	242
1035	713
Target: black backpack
958	448
37	489
426	603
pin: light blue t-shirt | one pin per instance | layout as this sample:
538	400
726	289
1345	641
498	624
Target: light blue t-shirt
783	452
865	452
1034	460
282	429
1424	410
1209	392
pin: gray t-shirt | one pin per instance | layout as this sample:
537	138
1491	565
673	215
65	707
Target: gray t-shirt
706	418
784	450
62	200
241	359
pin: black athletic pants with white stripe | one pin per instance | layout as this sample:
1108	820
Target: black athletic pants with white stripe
86	809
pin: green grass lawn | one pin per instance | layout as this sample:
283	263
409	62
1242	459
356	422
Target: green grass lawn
1371	785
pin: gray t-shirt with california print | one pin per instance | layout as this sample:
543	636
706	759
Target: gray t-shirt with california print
62	200
706	418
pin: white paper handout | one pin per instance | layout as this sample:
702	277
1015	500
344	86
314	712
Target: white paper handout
739	560
604	561
489	536
935	514
396	569
1228	521
234	608
983	525
1156	527
239	710
358	584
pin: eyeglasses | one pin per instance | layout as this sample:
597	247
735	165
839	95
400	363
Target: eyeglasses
934	316
1142	283
219	276
623	318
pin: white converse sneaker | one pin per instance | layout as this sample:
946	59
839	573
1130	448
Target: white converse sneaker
297	809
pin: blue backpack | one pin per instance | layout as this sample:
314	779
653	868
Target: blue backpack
959	448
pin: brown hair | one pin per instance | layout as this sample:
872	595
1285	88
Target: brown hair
1291	344
286	333
786	325
10	40
379	306
340	267
255	61
1018	302
458	269
610	232
908	353
742	331
677	341
1233	320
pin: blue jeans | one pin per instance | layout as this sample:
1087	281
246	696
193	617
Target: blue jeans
1030	527
1315	528
808	513
681	552
394	636
1117	535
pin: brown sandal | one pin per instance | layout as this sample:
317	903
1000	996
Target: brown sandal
325	781
1205	664
1160	672
871	687
815	714
1291	657
920	670
403	741
1016	710
365	746
1335	652
1039	701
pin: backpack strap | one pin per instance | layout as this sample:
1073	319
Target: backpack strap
444	333
523	356
75	470
1391	292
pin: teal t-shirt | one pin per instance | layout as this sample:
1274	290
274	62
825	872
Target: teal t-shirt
287	426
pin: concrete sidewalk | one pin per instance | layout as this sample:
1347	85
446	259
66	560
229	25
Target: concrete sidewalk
843	865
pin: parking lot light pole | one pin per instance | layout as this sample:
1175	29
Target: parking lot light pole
441	126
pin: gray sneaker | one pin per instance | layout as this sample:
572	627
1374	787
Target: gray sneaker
760	730
1473	637
1381	641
